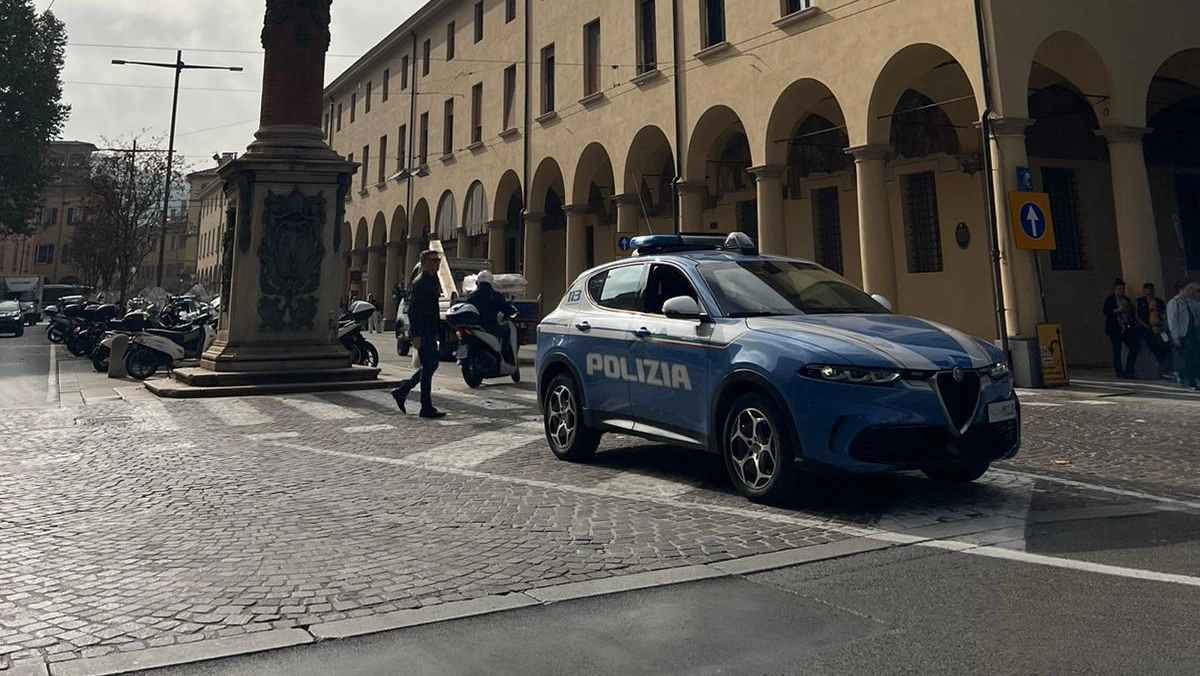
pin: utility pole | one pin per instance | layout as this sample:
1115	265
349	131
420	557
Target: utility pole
179	66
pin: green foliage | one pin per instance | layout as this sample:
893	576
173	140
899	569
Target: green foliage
31	108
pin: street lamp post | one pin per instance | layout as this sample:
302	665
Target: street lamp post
179	66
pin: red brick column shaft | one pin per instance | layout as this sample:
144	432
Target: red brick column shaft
295	36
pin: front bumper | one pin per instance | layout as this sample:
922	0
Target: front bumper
12	324
904	426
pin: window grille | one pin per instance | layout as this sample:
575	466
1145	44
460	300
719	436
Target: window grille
921	222
1063	187
827	226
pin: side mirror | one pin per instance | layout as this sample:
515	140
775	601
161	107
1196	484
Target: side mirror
887	304
681	307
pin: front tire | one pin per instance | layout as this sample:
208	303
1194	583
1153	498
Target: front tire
367	355
77	345
956	474
472	376
55	334
138	364
20	331
562	417
757	450
100	357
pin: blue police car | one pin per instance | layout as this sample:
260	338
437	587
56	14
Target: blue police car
776	363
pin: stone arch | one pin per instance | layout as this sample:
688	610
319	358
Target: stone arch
548	177
710	136
509	185
379	230
1069	93
650	172
399	225
446	225
419	227
806	116
594	184
475	210
361	235
923	87
1068	59
1173	157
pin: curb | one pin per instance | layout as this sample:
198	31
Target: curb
212	649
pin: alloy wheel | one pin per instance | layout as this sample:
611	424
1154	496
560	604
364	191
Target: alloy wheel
754	448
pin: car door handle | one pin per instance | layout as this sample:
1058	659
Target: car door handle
642	333
584	326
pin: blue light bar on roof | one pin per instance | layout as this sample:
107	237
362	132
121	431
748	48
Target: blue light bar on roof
647	245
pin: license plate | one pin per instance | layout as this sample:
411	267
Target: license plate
1002	411
463	351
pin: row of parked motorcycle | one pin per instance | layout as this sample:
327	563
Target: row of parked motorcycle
168	337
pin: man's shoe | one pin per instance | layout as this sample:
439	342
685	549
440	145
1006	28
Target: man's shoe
433	415
400	394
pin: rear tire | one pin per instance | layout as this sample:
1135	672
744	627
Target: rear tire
562	418
20	331
54	334
403	346
516	375
76	345
956	474
471	374
138	364
758	450
368	355
100	357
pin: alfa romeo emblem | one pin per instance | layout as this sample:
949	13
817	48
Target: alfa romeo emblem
958	374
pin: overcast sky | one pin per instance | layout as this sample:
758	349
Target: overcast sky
218	110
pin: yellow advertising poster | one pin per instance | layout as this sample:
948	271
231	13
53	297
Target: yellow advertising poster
1054	359
1033	224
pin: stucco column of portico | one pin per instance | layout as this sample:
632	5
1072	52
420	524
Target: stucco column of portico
691	205
532	265
629	212
391	279
412	255
495	244
875	221
376	270
357	261
1018	268
577	215
772	235
1137	233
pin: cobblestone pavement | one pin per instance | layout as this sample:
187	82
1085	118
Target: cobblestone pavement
134	523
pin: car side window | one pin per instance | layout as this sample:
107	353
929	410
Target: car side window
666	282
617	289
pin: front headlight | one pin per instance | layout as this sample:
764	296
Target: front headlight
998	371
850	374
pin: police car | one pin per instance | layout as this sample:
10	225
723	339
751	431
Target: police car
776	363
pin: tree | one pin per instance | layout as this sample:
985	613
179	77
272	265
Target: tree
31	62
122	212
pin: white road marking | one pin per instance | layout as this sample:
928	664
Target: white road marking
463	455
1101	489
478	449
1045	404
1093	402
319	409
642	484
270	436
366	429
52	378
239	414
153	415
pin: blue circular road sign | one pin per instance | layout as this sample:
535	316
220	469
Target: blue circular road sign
1033	221
625	243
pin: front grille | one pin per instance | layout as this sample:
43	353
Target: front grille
922	446
960	397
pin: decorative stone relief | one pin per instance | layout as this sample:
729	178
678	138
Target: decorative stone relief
308	17
290	256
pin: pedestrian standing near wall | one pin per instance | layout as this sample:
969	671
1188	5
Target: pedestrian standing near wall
373	322
424	319
1120	324
1152	320
1183	321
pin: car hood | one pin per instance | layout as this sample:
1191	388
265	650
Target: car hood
883	341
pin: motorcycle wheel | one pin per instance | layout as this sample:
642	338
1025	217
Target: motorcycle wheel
139	365
471	374
54	334
100	358
77	345
368	355
403	347
516	375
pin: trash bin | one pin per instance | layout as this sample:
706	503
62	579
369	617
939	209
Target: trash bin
1026	360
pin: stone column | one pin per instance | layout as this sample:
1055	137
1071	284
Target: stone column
691	205
577	215
358	263
629	213
287	198
532	263
377	282
875	222
772	233
496	231
1018	268
391	279
412	256
1137	232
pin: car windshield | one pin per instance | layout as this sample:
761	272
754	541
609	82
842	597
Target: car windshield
763	288
7	306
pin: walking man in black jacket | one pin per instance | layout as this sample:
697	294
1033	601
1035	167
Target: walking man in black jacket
424	319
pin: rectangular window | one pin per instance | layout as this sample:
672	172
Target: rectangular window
510	97
426	52
423	140
382	159
45	253
827	228
404	72
365	169
71	216
921	222
712	17
339	117
477	113
367	103
448	128
591	58
387	76
510	10
1063	187
548	79
51	217
450	41
793	6
647	31
402	147
353	106
479	21
747	218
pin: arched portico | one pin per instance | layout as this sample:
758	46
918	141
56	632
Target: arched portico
647	201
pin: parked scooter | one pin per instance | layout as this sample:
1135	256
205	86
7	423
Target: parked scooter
481	354
153	348
82	339
350	326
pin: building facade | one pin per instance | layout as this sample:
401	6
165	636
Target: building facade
536	133
16	255
207	214
61	212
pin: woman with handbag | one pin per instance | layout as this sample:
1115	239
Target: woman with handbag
1120	324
